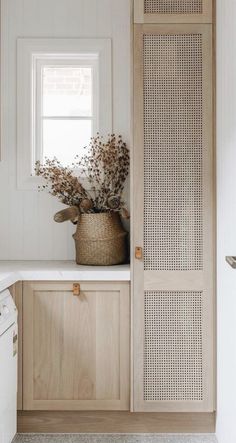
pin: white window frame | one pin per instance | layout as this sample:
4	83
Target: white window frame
32	55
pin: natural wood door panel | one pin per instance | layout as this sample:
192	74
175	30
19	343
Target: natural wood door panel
173	11
76	348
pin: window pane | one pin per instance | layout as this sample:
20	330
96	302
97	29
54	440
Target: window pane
65	139
67	91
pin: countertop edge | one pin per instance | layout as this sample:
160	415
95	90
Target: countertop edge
9	278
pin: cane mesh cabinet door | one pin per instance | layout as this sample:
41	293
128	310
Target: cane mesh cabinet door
76	348
173	214
173	11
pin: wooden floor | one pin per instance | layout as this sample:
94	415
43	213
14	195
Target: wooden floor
114	422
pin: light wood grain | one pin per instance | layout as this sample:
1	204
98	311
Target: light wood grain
138	11
174	280
114	422
141	17
76	349
17	294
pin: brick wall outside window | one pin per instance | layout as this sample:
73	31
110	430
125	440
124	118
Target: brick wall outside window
67	81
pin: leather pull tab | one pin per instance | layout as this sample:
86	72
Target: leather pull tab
76	289
138	253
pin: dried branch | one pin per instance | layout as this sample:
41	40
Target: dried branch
105	165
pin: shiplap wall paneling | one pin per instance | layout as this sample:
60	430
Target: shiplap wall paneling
173	214
173	11
27	229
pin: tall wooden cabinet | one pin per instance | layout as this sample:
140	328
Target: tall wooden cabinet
76	348
173	206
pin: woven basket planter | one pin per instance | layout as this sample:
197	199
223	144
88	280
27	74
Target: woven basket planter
100	240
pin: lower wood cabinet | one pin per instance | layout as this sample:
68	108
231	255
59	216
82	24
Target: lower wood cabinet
76	348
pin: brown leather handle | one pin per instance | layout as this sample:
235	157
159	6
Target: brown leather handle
76	289
138	253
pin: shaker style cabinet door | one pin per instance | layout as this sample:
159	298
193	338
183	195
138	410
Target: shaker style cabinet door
76	348
173	11
173	214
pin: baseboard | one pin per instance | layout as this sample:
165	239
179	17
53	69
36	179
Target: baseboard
115	422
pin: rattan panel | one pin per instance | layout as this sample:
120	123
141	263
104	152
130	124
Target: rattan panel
173	148
173	346
173	6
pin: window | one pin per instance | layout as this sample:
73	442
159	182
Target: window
64	98
66	108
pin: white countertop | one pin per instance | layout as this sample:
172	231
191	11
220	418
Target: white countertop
13	271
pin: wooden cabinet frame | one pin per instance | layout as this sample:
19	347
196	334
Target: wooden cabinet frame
141	17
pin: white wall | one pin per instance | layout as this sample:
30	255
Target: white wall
226	194
27	230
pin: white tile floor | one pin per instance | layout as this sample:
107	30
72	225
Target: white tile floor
115	438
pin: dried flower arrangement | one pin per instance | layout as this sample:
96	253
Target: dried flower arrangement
100	238
105	166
